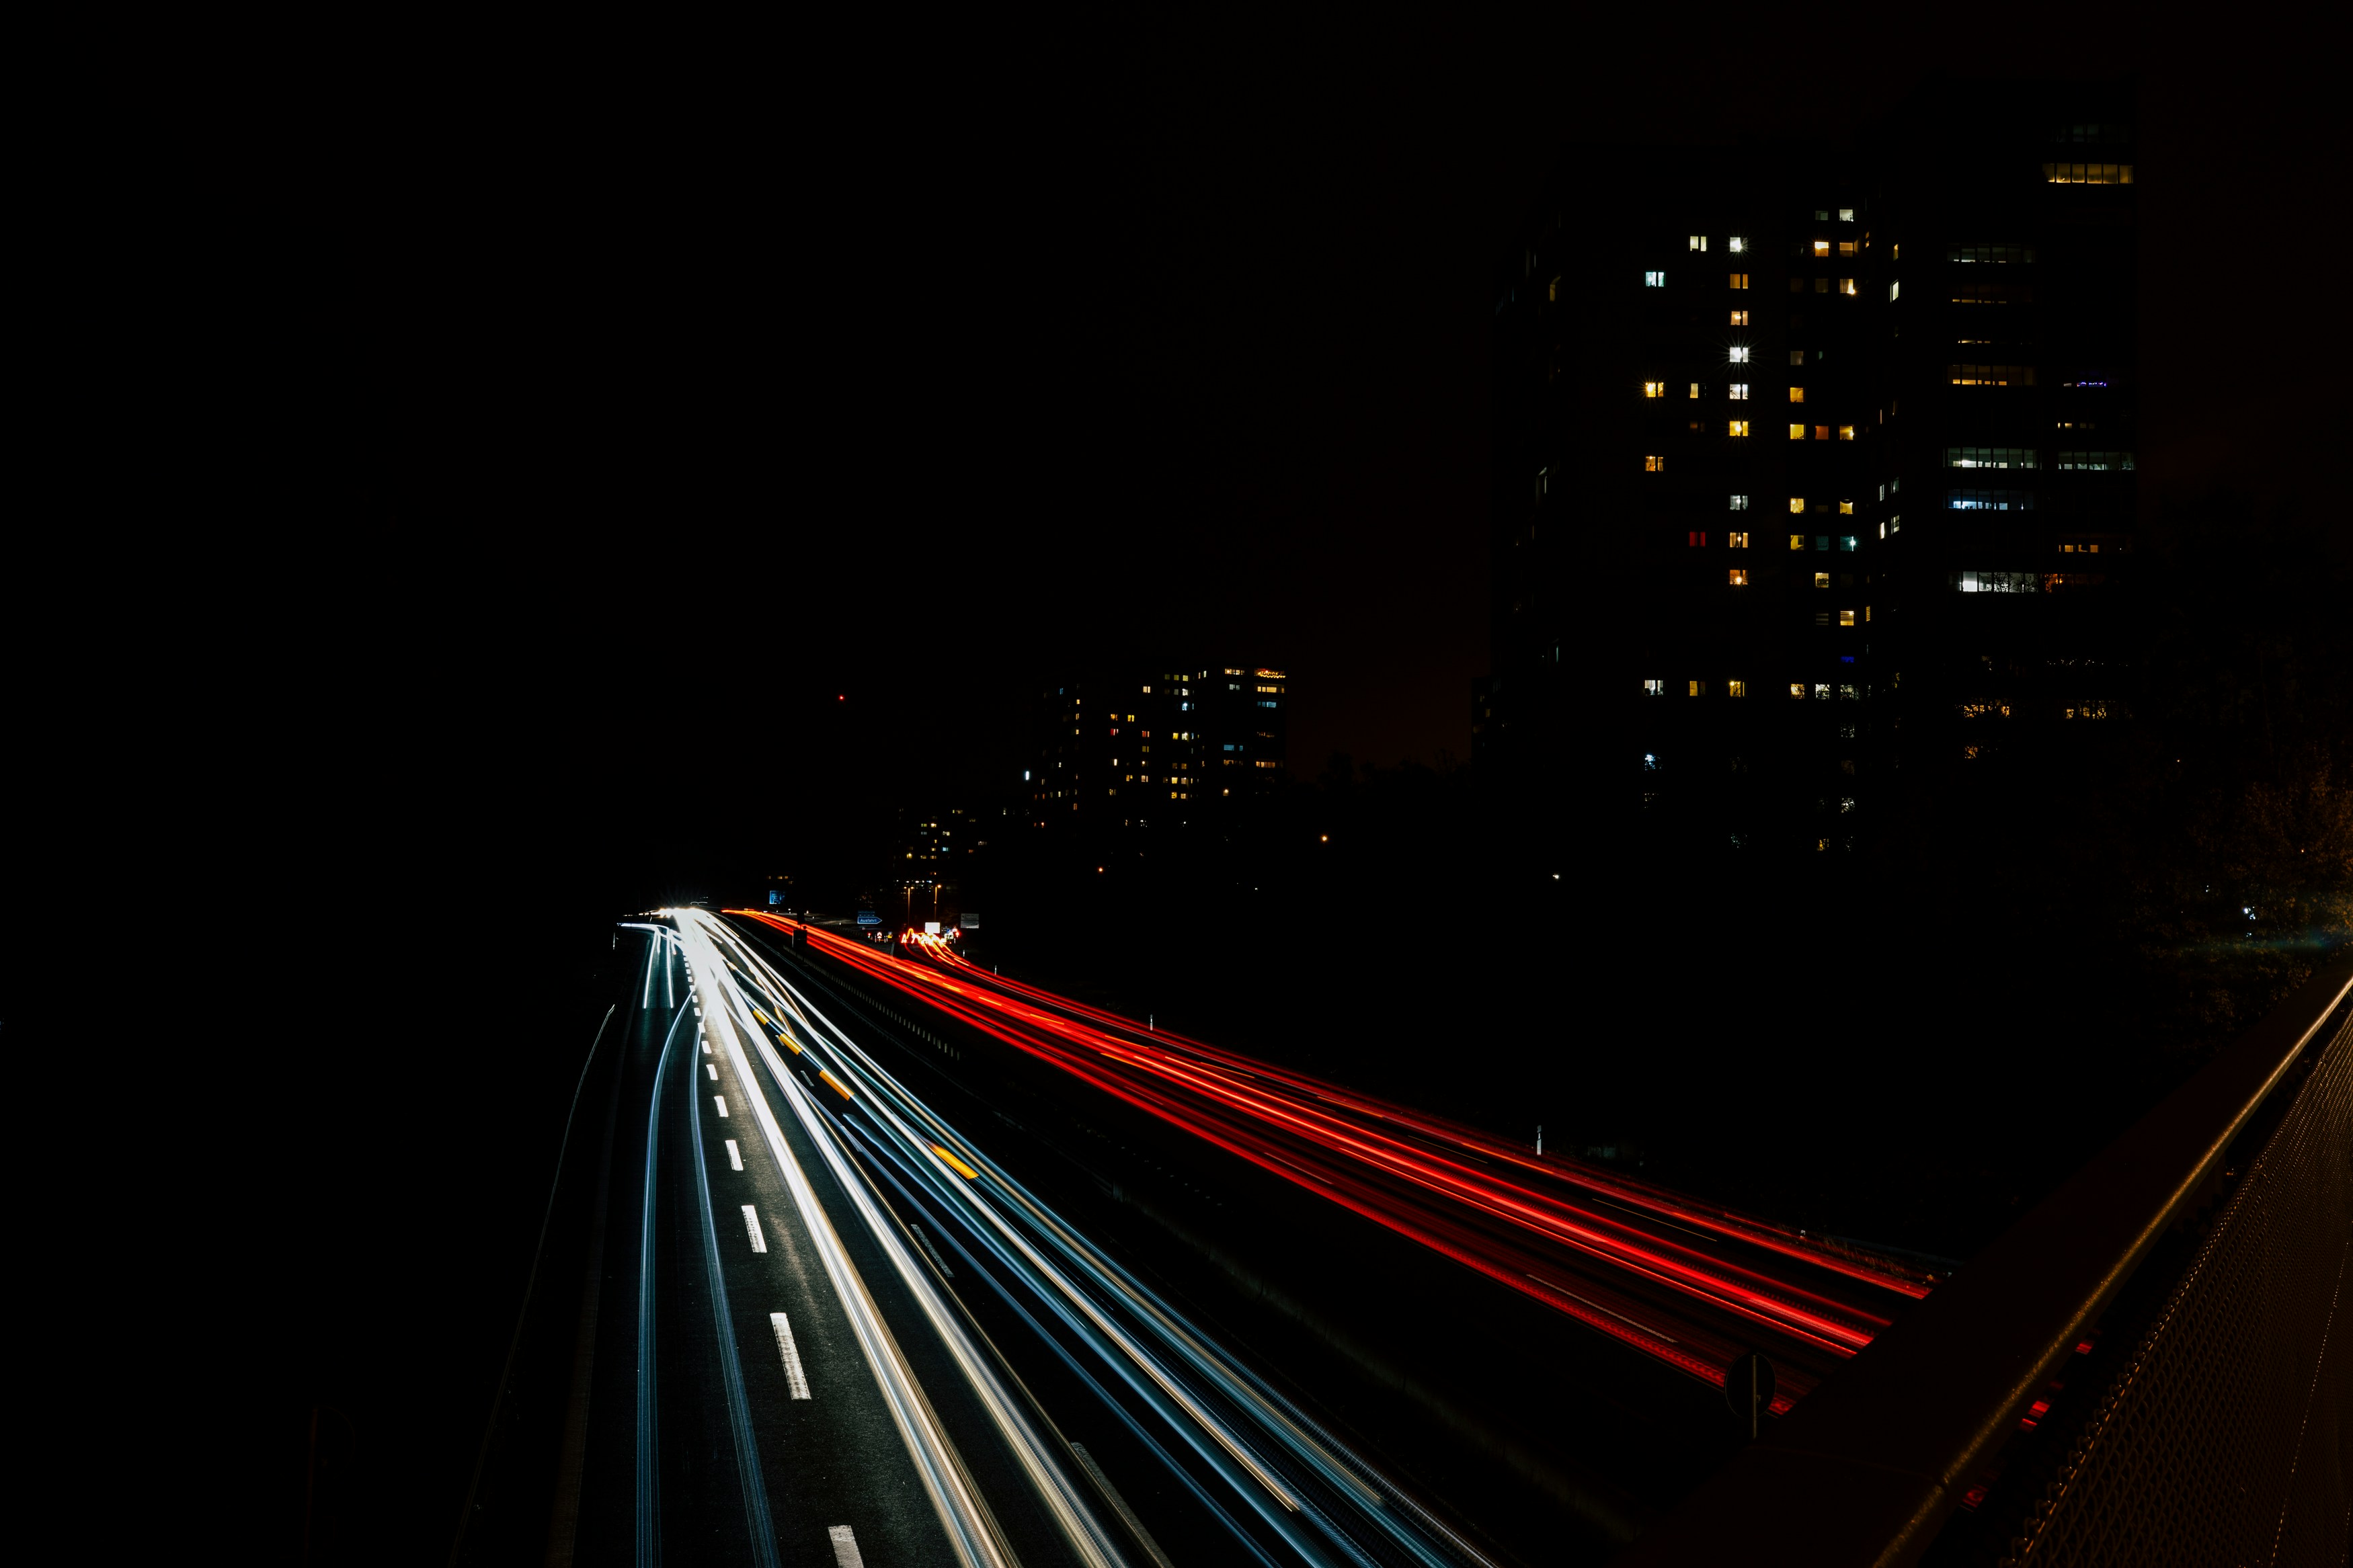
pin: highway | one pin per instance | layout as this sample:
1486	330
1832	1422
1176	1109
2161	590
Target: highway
826	1327
1691	1285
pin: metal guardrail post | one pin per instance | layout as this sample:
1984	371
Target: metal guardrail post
1864	1473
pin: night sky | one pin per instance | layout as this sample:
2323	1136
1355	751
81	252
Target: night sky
917	367
569	459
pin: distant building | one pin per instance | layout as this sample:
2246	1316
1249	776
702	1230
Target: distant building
1773	421
1160	746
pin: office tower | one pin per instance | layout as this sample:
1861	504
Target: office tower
1160	746
1786	438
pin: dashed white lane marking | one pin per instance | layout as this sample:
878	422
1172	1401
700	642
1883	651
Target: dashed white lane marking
845	1547
735	1155
720	1101
712	1070
706	1048
792	1354
751	1223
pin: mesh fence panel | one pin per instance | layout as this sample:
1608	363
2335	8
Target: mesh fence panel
2224	1438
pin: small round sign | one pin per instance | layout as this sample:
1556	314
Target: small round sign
1748	1389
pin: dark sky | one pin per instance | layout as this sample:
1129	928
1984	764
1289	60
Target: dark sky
918	366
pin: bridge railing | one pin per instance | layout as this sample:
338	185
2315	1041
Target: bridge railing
2154	1366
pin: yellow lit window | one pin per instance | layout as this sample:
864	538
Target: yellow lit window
1654	465
1739	318
1846	286
1846	432
1821	248
1654	389
1796	394
1846	508
1735	688
1822	579
1737	428
1846	618
1699	688
1552	292
1821	432
1797	432
2088	174
1796	689
1797	541
1797	503
1846	248
1738	540
1694	389
1866	612
1739	577
1740	281
1699	242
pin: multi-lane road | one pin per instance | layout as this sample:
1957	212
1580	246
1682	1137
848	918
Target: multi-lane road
823	1325
1694	1285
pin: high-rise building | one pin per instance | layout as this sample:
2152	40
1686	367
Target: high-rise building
1161	746
1770	420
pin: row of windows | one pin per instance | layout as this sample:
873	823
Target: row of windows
1995	254
1990	374
1739	280
1656	463
1989	456
1993	294
1697	540
2088	174
1848	691
1989	501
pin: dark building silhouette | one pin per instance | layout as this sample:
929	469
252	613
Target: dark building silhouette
1163	746
1802	456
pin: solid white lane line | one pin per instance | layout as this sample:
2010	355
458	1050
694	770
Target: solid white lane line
792	1354
845	1547
712	1070
751	1223
720	1101
735	1155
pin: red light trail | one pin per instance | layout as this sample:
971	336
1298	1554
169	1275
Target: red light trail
1684	1281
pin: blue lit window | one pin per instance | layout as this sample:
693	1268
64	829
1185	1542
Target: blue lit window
1654	280
1822	542
1846	542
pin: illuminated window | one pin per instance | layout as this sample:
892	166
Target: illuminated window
1894	290
1846	285
1739	354
1737	392
1846	248
2088	174
1796	394
1846	618
1699	688
1654	389
1796	356
1654	465
1654	689
1699	242
2093	462
1990	374
1797	432
1694	389
1736	427
1735	688
1849	694
1735	245
1822	579
2000	255
1698	538
1821	432
1821	248
1739	280
1846	215
1822	542
1846	542
1797	503
1796	689
1797	541
1739	503
1739	318
1739	578
1654	280
1846	433
1552	292
1822	694
1740	542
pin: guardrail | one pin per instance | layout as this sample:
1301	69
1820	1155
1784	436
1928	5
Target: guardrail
2215	1424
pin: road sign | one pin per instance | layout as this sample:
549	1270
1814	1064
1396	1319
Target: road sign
1748	1389
970	921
